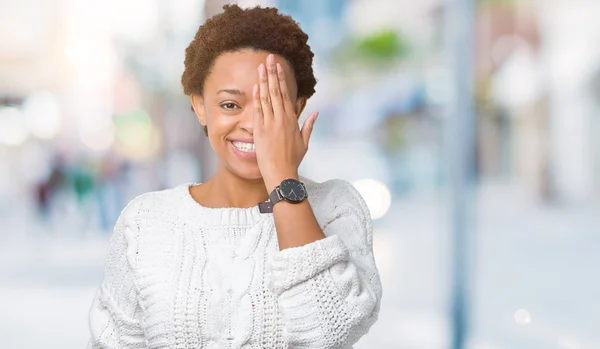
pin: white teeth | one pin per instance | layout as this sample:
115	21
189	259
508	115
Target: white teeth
245	147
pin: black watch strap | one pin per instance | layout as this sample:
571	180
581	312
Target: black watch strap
265	207
274	197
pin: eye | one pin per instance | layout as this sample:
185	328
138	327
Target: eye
229	106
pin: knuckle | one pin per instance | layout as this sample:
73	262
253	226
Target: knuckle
285	96
275	92
258	110
272	70
265	99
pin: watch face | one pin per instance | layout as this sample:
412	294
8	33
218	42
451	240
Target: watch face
292	190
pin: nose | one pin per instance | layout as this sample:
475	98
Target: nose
247	119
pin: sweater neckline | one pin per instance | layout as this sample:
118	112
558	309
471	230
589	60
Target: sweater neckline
222	215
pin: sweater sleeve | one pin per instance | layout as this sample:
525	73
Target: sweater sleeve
114	316
329	291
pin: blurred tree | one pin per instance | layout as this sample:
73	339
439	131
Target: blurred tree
384	45
378	49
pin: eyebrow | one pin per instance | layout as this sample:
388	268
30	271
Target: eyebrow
231	91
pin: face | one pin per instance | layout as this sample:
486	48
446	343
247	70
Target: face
226	108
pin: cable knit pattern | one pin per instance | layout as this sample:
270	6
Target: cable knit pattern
296	264
180	275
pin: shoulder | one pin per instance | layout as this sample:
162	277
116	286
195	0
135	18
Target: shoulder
152	203
340	209
334	193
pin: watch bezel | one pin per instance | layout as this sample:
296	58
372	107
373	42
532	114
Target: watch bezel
295	182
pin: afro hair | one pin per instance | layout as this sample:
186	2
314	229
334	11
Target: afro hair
257	28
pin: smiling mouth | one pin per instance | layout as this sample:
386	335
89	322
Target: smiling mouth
244	147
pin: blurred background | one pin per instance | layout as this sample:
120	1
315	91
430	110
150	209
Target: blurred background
92	114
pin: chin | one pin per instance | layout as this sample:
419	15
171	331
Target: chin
245	171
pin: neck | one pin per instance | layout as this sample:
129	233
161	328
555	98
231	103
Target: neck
225	189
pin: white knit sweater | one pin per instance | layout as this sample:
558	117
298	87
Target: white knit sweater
181	275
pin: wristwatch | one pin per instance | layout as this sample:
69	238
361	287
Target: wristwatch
290	190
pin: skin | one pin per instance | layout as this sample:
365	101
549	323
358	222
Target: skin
252	96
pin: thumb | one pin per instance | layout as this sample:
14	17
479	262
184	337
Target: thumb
307	127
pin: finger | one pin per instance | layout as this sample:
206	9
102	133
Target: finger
307	127
274	91
258	113
265	98
285	94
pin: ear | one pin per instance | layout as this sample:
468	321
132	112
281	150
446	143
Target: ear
198	108
300	104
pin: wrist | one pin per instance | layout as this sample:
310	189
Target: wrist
275	179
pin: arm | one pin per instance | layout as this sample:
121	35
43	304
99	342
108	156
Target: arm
328	290
296	223
114	317
326	280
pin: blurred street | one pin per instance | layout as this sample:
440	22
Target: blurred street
496	101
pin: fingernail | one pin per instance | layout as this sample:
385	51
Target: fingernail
279	69
314	119
270	59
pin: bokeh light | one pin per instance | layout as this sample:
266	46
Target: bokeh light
13	129
100	138
376	195
134	129
522	317
43	115
136	138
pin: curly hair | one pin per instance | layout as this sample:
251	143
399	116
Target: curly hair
258	28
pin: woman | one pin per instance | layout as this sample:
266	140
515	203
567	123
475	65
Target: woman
204	265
